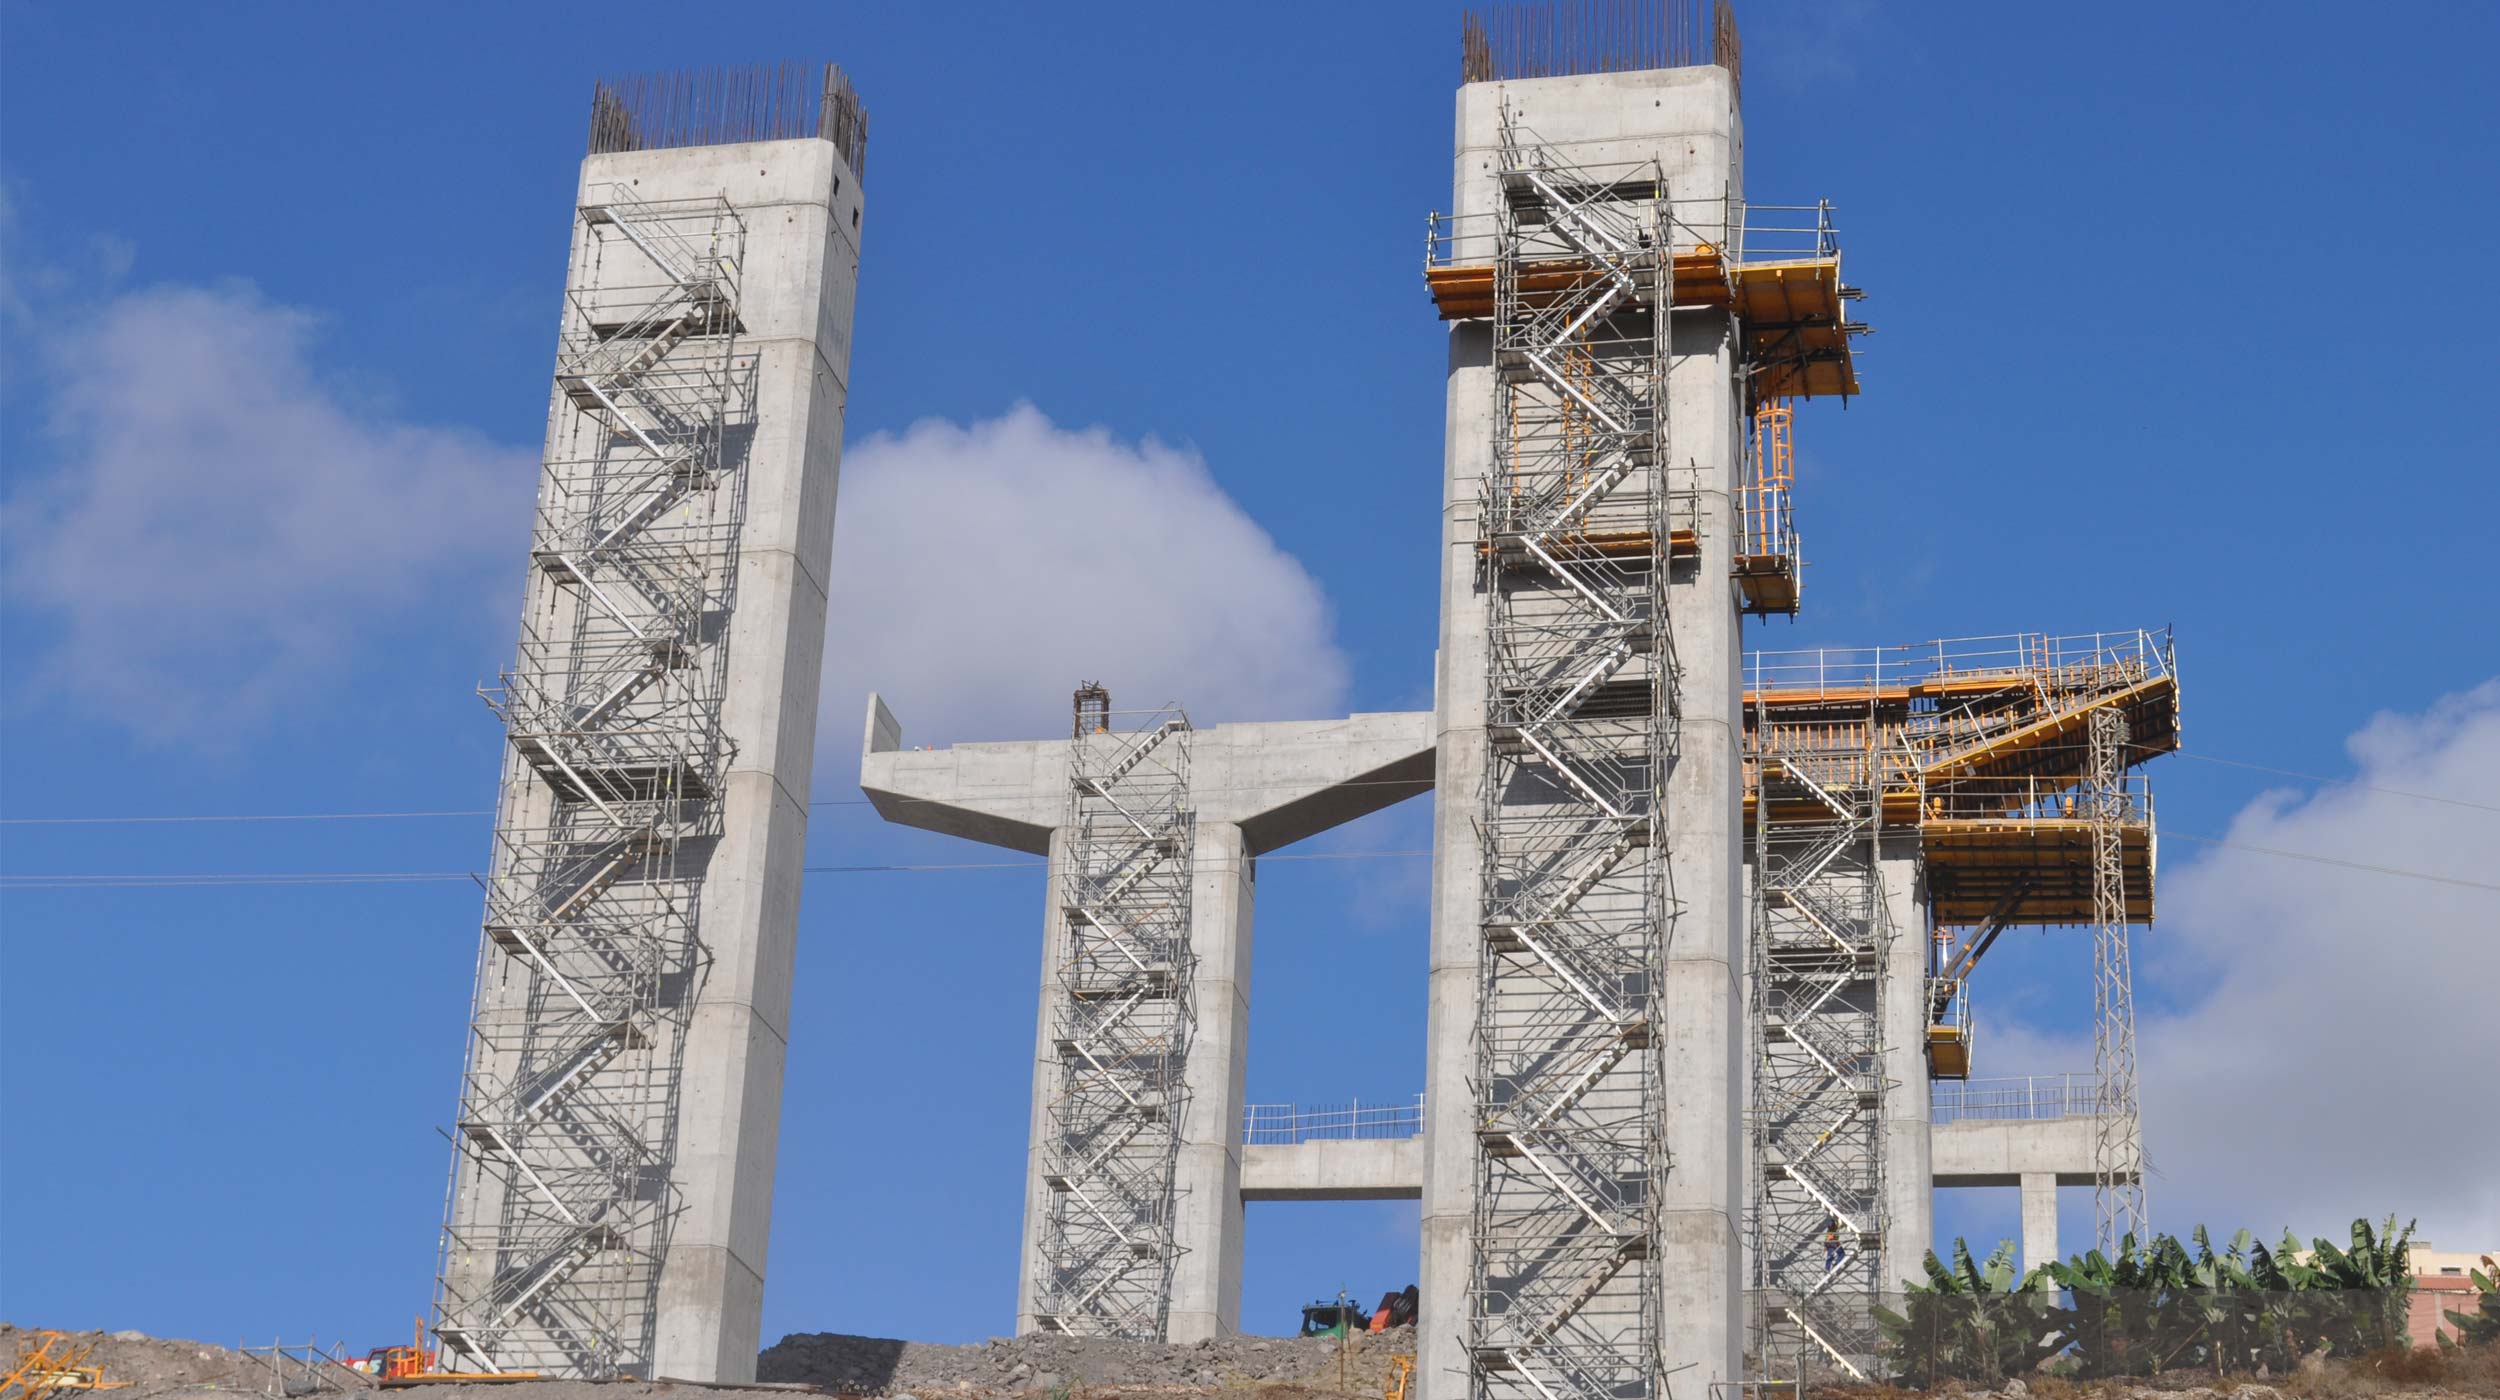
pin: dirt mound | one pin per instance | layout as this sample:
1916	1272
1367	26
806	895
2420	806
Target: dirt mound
1005	1365
1250	1368
151	1364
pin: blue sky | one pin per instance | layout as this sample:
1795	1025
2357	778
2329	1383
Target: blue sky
2178	322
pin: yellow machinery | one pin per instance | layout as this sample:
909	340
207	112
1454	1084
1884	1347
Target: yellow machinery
1401	1376
395	1367
52	1363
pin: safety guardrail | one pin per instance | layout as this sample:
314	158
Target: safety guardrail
1284	1124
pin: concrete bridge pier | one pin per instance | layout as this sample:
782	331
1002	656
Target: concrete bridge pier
1254	788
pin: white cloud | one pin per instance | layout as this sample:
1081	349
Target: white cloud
2341	1027
223	524
981	572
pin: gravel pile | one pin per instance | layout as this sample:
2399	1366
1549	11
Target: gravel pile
151	1364
1286	1368
1002	1365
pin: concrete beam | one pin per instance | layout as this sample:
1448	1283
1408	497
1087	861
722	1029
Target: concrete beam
1377	1169
1986	1152
1279	782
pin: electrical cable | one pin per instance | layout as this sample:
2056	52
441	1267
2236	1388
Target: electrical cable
213	878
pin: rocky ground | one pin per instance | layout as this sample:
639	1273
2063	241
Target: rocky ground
1237	1368
1048	1368
1005	1365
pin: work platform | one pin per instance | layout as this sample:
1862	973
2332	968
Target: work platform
1979	744
1775	267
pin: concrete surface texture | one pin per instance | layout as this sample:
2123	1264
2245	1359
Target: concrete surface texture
2001	1152
1909	1188
1686	119
801	205
1254	787
1369	1169
2040	1219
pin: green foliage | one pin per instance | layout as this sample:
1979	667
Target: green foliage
1975	1321
2480	1327
2160	1305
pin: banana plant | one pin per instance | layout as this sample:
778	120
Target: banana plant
2160	1305
2372	1278
2481	1327
1974	1321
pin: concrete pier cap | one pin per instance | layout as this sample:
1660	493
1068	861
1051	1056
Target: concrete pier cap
1253	788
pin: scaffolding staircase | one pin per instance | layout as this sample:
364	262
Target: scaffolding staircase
1820	935
561	1195
1121	1022
1580	712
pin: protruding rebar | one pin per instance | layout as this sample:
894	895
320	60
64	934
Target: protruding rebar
1560	38
720	106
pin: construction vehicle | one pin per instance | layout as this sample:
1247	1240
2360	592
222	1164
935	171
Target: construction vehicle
53	1363
394	1367
1333	1318
392	1363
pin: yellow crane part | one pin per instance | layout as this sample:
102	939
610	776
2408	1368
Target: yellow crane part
1401	1376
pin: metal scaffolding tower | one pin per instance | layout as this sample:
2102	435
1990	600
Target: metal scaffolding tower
561	1198
1121	1026
1581	710
1822	931
2118	1144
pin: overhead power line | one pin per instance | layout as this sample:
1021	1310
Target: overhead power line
222	879
2334	860
2340	782
1415	784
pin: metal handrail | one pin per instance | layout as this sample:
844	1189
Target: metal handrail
2064	661
1286	1124
1746	233
2025	1098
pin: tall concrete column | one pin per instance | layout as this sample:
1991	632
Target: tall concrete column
1255	787
1457	870
1206	1280
2039	1219
1206	1283
1909	1192
1045	1076
685	524
1701	1267
1686	120
800	202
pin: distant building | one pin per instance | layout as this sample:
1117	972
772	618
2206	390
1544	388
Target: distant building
2443	1281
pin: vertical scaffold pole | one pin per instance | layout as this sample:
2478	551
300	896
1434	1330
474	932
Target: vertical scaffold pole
2118	1146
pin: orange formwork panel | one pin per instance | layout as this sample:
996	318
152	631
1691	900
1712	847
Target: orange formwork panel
1973	865
1796	328
1610	544
1464	291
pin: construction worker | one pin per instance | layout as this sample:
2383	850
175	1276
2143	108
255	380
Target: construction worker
1831	1243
